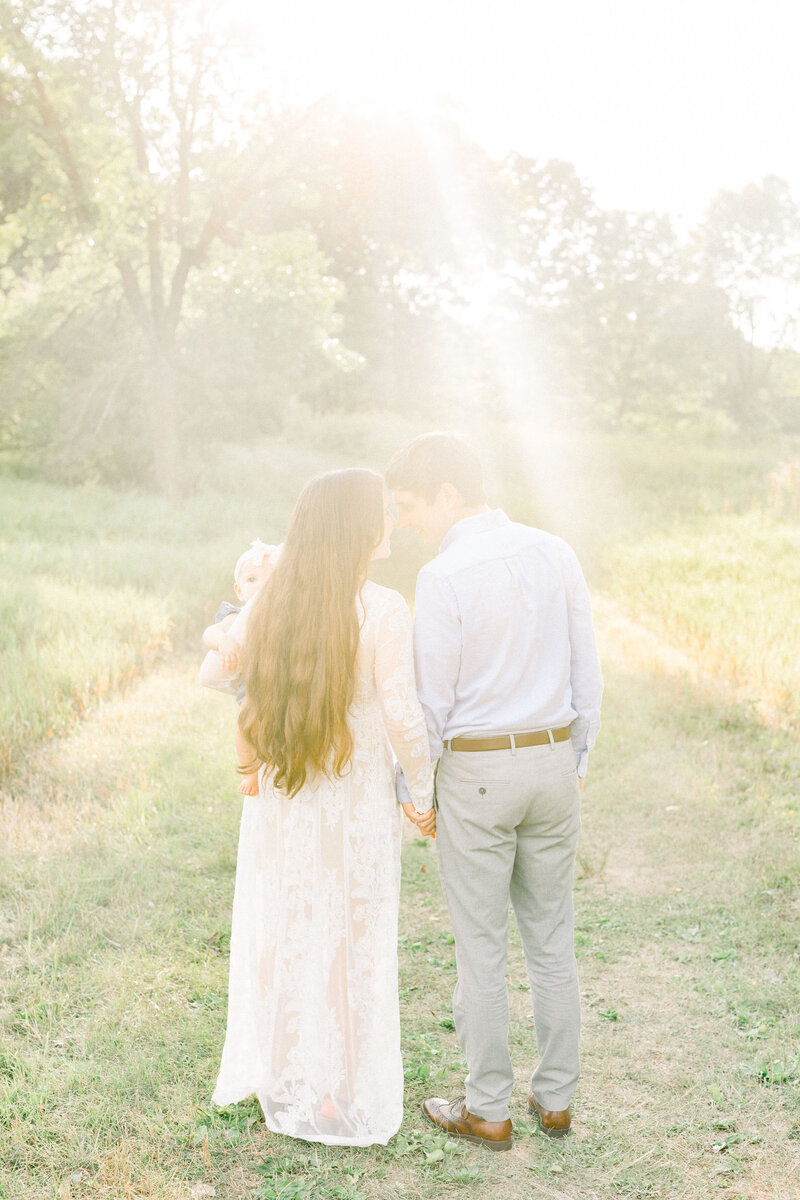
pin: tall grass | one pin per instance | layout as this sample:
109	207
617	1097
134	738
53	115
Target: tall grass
95	585
727	591
598	490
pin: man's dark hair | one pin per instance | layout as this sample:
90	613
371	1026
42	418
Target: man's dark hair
432	459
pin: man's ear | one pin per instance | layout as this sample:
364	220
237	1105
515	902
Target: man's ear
451	496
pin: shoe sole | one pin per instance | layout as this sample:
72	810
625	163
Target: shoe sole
467	1137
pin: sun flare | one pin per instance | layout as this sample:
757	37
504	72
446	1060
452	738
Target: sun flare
366	56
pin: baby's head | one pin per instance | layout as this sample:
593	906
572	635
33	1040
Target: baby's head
253	568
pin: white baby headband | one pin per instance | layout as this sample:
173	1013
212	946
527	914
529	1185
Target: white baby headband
256	554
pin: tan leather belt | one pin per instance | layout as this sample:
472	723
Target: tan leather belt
507	741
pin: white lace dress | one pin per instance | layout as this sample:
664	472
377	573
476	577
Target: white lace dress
313	1017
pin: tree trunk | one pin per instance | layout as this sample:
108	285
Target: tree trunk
162	411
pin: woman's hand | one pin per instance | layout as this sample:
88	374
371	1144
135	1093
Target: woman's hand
425	822
229	653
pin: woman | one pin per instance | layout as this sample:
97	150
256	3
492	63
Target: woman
313	1015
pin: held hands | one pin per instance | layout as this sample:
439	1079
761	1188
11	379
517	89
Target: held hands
425	822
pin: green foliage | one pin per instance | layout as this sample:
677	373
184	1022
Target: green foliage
432	1147
304	1178
181	265
748	246
614	317
260	328
137	183
403	214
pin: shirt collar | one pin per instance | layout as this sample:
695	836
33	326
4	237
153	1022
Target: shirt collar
481	523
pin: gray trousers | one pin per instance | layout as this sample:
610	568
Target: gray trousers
507	829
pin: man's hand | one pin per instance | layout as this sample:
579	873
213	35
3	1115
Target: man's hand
425	822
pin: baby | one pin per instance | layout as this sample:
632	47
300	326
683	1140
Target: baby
252	570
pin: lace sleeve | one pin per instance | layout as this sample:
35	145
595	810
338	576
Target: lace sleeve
397	691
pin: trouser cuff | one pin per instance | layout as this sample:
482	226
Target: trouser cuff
498	1112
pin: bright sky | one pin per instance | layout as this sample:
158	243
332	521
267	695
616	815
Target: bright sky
657	103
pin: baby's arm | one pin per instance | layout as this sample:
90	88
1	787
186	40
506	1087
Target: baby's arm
212	673
217	637
245	754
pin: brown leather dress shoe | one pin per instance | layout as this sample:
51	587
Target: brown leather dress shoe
554	1124
453	1117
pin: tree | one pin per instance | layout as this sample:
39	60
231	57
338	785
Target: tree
649	340
618	326
552	219
150	160
749	246
403	212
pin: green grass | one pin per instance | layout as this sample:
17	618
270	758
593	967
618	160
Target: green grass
96	585
598	490
726	590
119	839
114	922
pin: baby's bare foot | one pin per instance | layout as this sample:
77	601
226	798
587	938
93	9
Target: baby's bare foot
249	785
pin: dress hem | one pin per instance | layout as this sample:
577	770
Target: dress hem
377	1139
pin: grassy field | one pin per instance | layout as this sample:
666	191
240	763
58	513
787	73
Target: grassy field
119	839
727	591
96	586
114	919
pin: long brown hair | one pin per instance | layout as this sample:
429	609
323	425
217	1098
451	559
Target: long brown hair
302	634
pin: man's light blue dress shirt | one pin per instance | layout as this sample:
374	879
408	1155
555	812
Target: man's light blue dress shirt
503	636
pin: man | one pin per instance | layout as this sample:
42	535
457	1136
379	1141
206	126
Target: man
510	683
